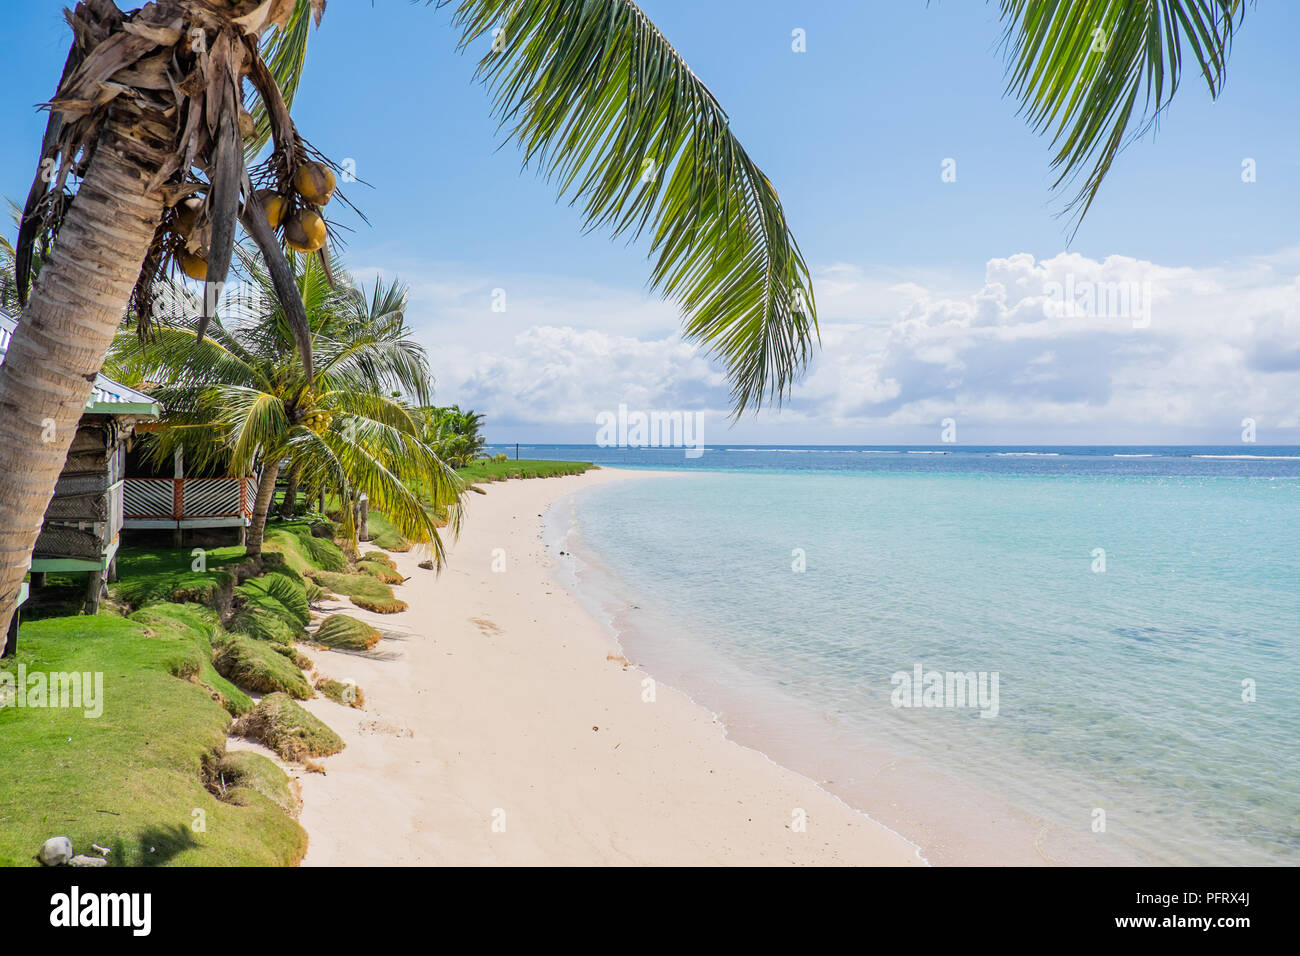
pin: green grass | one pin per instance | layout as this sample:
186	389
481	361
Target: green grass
380	572
363	590
301	550
480	471
346	633
349	695
257	666
199	625
244	769
284	726
132	778
384	534
149	575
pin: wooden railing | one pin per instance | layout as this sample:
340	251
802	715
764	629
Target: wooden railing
116	496
181	498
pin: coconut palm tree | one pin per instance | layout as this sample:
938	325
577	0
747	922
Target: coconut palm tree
144	167
384	314
456	435
241	396
1097	74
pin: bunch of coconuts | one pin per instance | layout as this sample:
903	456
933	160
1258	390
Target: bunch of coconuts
318	420
194	232
304	229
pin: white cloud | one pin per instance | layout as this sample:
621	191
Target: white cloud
1148	352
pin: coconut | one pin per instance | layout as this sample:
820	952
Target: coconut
187	215
315	182
196	267
317	420
247	125
305	232
274	205
320	422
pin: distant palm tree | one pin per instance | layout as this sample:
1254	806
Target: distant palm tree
241	397
1098	73
456	435
149	114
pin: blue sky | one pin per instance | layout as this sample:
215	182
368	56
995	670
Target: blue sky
922	316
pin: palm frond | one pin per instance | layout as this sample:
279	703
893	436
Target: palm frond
374	358
1080	69
285	54
612	114
175	356
257	422
382	462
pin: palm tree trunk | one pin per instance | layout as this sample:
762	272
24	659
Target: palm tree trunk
290	501
64	333
262	507
348	520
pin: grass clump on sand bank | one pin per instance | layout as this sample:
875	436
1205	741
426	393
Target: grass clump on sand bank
342	692
130	779
244	769
363	590
288	729
340	632
257	666
380	572
486	470
302	550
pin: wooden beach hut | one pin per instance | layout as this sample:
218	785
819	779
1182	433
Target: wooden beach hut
83	523
170	499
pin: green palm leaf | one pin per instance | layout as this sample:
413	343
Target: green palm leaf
612	114
1080	68
285	53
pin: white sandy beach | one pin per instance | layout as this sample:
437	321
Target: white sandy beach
497	731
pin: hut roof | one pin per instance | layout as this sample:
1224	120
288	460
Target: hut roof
108	397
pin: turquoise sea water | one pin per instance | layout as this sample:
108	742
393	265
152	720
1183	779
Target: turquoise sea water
1119	689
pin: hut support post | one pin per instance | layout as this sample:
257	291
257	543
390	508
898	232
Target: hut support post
94	591
11	646
178	473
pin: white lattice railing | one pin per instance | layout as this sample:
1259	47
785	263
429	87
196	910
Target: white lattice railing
177	498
